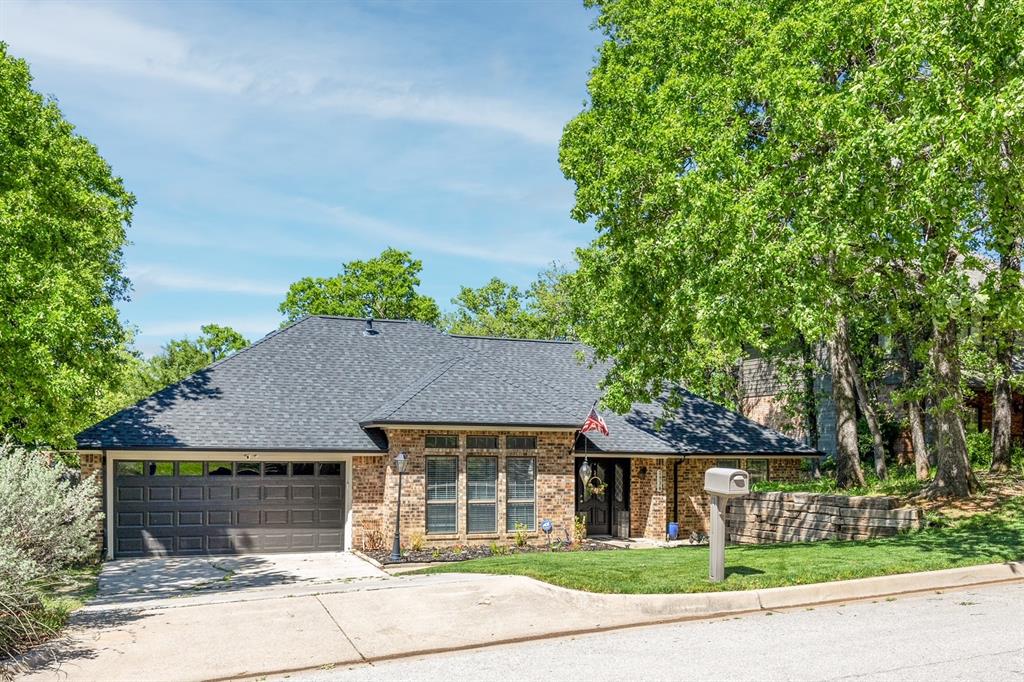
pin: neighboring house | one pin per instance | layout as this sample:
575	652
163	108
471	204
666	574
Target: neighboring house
981	403
289	445
764	399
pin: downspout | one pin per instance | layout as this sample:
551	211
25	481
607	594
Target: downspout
675	490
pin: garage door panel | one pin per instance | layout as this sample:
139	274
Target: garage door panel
161	493
218	517
160	518
277	517
191	518
216	492
303	493
190	492
247	493
221	514
329	515
330	492
129	493
131	519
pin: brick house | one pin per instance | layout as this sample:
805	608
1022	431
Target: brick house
764	387
289	445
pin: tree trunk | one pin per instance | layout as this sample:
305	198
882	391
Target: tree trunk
867	408
848	471
1002	405
810	404
954	477
916	415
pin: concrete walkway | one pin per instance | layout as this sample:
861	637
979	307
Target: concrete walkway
284	627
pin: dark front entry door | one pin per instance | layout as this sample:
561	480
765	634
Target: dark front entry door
605	496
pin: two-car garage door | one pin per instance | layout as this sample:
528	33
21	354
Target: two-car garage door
166	508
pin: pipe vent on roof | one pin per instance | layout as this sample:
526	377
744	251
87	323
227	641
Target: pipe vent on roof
369	330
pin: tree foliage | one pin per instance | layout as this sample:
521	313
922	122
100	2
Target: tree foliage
543	311
63	216
383	287
763	173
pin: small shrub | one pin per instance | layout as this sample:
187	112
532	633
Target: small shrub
435	553
49	520
373	541
498	550
579	529
457	550
416	542
520	535
979	449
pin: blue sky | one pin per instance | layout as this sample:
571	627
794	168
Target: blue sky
270	141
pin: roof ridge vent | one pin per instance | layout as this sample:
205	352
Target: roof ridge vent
369	330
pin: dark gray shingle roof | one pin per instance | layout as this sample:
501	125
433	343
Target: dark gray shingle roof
321	384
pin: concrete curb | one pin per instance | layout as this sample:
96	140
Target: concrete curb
649	609
368	559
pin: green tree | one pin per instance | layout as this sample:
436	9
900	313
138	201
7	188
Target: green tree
543	311
63	216
383	287
758	174
495	309
180	358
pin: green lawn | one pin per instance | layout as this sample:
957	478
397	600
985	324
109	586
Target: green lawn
67	593
981	539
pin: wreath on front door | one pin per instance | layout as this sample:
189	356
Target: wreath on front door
596	486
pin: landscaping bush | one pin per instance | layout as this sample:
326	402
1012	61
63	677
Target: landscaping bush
979	449
48	523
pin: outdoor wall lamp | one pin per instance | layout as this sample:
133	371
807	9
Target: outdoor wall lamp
401	462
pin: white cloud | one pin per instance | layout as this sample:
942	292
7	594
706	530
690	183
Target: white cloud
517	247
98	38
253	326
149	276
102	39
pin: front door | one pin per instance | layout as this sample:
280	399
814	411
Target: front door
603	495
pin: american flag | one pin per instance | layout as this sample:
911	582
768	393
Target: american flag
595	422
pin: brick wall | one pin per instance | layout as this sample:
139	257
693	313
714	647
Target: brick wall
649	497
375	485
695	505
90	464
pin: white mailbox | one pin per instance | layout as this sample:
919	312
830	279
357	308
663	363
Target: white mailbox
726	482
721	483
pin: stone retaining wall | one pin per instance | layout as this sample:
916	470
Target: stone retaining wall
803	517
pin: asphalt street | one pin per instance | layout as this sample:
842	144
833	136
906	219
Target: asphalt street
968	634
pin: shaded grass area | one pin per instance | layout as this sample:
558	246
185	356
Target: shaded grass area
981	539
34	613
901	482
70	591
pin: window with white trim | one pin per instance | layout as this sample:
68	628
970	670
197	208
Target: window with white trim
520	488
481	494
758	470
442	494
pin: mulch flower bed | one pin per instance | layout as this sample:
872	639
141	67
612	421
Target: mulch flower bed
464	552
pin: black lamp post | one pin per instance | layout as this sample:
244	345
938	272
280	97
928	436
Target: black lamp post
401	462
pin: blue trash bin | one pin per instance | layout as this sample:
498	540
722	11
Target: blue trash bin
673	530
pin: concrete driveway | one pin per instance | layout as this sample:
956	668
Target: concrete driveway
290	625
139	580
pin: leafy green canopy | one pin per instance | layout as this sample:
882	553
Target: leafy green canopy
383	287
63	216
502	309
762	172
